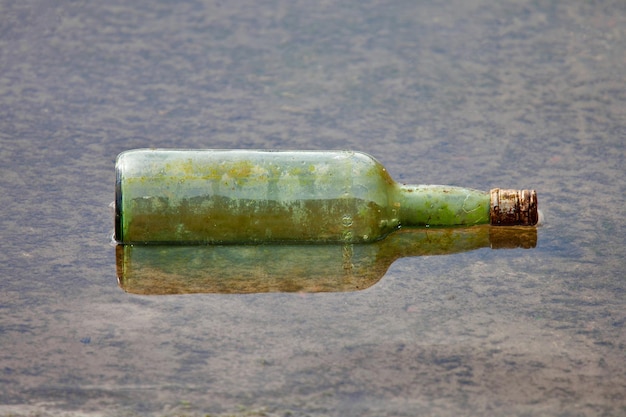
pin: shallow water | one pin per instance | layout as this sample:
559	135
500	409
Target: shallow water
481	93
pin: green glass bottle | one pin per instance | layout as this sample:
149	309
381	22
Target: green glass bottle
247	196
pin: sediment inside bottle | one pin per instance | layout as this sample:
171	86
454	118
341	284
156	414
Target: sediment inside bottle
217	219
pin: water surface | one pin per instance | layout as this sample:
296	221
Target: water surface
481	93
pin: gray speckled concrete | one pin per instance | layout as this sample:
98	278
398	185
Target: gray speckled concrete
480	93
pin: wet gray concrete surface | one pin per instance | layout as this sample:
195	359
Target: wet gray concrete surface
479	93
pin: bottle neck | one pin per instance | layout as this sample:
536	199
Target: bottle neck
439	205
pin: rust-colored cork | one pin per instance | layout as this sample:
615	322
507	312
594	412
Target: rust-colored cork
513	207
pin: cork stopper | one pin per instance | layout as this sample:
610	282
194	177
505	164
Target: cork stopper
513	207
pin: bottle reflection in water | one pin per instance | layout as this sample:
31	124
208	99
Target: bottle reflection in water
154	269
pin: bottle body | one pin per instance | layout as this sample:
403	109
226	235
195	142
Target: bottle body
240	196
248	196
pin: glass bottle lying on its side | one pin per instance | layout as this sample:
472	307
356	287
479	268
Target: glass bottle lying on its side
230	269
250	197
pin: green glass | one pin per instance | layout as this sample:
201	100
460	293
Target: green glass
237	269
248	196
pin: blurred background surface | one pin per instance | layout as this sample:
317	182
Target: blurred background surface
479	93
